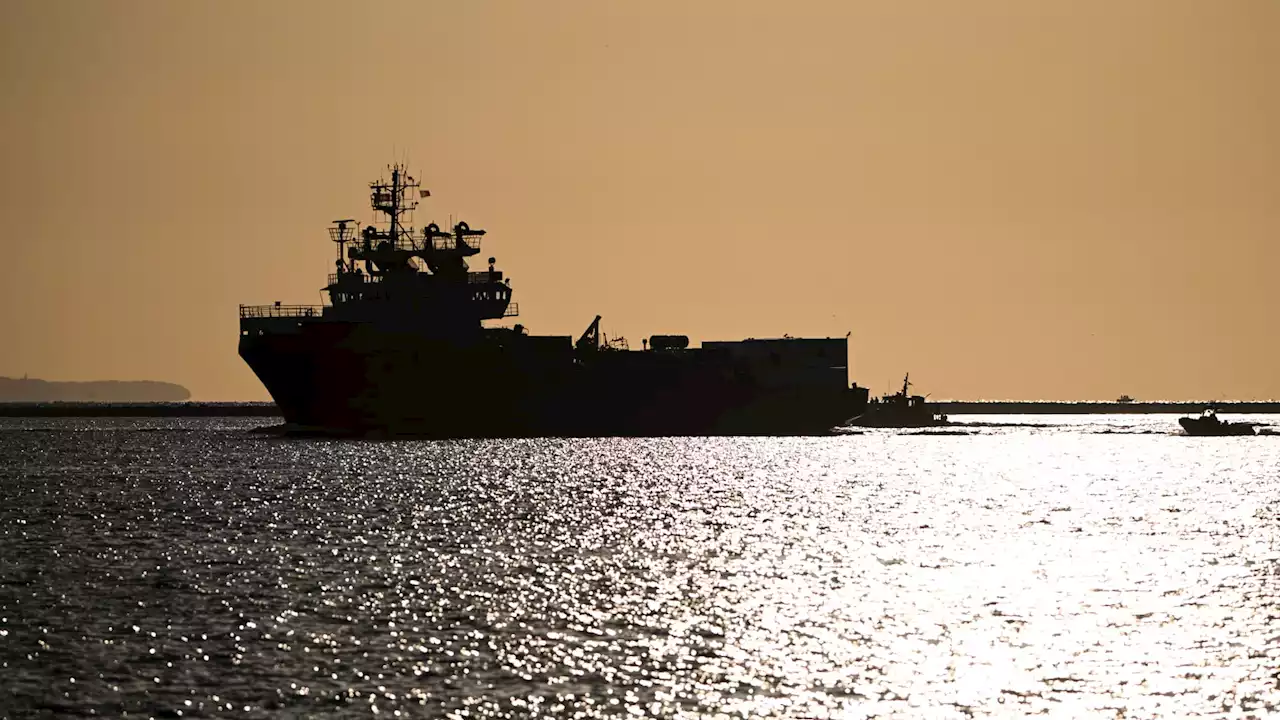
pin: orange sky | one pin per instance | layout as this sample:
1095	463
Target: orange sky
1009	199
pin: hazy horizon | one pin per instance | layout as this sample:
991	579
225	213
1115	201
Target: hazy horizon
1007	200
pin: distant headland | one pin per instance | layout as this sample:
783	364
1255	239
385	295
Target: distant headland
32	390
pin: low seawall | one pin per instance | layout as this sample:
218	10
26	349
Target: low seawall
1018	407
1013	407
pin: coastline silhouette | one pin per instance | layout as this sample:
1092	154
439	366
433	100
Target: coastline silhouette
34	390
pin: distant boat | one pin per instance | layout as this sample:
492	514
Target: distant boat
1124	399
1210	424
899	410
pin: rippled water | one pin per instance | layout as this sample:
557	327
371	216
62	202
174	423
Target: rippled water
1101	567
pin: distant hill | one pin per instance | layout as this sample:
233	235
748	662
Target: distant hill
30	390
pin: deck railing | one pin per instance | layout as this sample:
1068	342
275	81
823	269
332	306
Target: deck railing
306	311
448	243
333	278
280	311
414	243
475	278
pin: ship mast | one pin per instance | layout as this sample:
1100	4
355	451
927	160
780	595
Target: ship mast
390	199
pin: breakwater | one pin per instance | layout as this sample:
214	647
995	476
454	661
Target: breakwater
1023	407
951	407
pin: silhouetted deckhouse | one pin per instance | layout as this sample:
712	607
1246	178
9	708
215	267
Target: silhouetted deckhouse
408	345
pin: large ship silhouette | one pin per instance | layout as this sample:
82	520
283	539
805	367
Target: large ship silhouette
402	348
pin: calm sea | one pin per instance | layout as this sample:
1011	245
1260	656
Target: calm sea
1070	566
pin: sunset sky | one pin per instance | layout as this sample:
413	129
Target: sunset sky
1008	199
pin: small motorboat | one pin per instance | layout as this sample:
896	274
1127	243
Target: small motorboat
1210	424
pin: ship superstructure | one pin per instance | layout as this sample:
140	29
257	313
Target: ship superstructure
402	347
393	275
380	270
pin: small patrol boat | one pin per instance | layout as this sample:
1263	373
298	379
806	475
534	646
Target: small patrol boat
1208	423
899	410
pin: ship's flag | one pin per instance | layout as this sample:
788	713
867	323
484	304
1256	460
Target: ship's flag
424	193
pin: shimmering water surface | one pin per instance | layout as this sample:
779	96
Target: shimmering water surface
1085	566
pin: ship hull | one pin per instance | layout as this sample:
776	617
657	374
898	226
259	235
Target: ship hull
354	380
